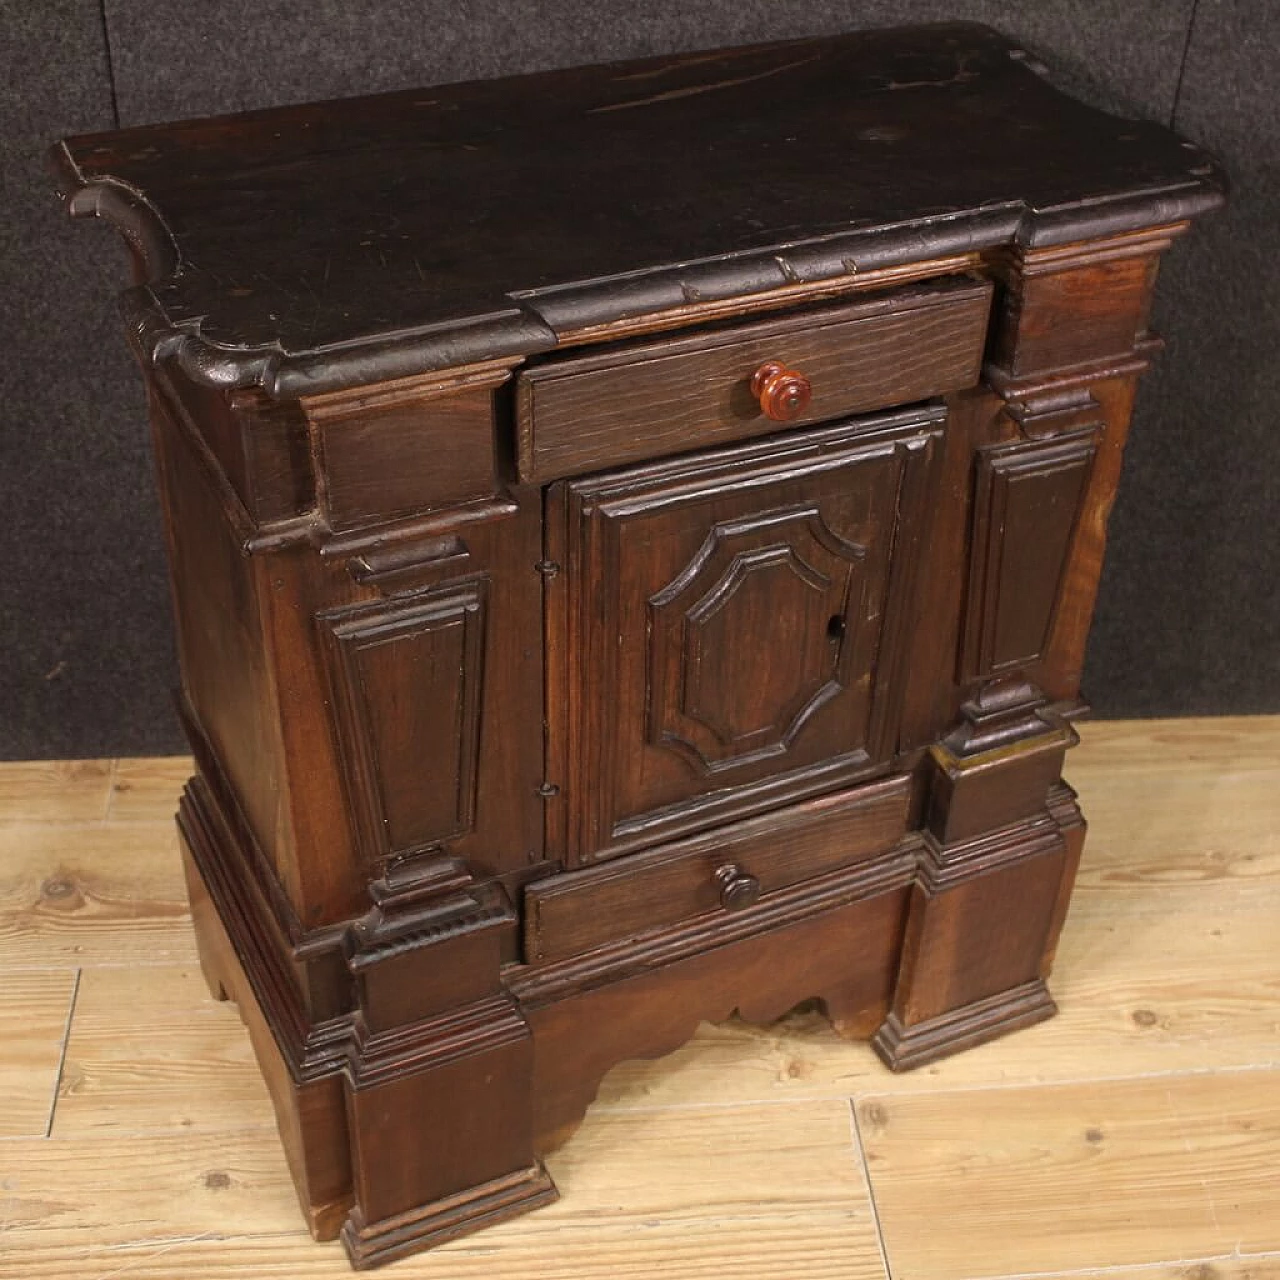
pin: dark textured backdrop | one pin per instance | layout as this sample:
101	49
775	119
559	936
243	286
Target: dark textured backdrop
1188	617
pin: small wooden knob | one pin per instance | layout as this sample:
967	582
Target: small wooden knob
783	393
738	888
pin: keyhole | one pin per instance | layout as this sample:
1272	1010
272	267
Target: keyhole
835	627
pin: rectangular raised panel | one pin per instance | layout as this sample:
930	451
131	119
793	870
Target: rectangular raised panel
1026	506
678	394
730	626
406	678
573	913
1076	303
386	453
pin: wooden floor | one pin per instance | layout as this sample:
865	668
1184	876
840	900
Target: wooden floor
1138	1132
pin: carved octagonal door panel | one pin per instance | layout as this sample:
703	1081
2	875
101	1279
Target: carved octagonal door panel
723	636
782	582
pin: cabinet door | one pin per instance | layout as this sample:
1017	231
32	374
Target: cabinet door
726	630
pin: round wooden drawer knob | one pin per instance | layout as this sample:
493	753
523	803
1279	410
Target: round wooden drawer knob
783	393
738	888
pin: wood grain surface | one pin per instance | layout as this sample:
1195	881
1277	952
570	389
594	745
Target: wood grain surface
1137	1134
62	791
110	893
1076	1175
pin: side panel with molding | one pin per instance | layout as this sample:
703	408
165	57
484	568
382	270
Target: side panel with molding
430	658
407	700
1027	504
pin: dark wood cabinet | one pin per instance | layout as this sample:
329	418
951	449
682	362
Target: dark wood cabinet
634	534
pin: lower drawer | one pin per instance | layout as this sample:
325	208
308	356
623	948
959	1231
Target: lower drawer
722	870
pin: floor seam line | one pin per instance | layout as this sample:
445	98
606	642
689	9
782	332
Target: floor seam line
62	1056
855	1132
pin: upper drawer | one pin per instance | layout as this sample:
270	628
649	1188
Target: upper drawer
591	412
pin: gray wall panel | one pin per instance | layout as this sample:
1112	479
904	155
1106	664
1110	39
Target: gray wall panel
1189	616
1183	621
192	58
84	615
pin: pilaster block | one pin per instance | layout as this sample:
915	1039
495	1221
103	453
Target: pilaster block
972	794
1076	303
466	1160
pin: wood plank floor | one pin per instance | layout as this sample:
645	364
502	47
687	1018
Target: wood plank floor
1136	1135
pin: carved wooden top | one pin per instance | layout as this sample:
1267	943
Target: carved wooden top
317	247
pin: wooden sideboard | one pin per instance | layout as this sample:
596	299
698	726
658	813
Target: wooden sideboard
634	532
